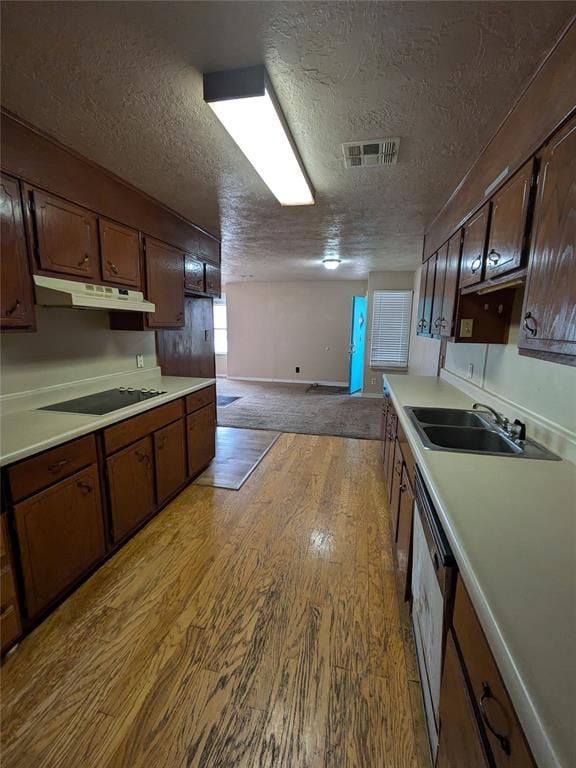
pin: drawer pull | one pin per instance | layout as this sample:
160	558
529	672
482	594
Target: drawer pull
13	308
530	327
57	466
84	260
84	487
113	267
502	740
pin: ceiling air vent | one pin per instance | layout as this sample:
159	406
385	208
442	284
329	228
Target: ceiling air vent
373	152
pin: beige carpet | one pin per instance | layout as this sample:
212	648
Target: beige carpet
289	408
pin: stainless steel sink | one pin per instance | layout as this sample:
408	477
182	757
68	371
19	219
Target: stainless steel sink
461	431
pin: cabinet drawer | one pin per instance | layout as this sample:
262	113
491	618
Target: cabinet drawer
9	627
126	432
201	398
34	474
488	688
7	586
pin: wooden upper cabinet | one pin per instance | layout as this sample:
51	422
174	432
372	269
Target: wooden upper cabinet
510	208
450	294
208	249
213	280
66	237
131	485
170	459
165	284
436	315
193	274
61	535
16	298
119	254
427	277
474	248
549	316
460	740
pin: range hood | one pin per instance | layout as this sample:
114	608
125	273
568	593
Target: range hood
53	292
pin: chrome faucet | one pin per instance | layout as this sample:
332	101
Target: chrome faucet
501	420
516	430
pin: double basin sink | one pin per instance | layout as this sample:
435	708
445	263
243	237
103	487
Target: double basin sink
451	429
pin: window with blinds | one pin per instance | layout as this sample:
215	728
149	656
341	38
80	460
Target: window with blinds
391	313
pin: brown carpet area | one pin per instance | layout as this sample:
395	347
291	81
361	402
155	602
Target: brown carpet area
289	408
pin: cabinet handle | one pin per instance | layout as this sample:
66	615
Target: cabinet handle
531	329
85	260
476	264
57	465
162	443
403	488
398	467
13	308
84	487
494	257
502	740
143	456
179	316
113	267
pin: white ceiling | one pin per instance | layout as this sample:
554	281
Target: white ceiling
121	83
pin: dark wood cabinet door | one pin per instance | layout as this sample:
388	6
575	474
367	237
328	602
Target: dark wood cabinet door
66	237
61	536
392	427
549	315
420	330
170	459
404	533
16	298
189	351
208	249
213	280
131	485
119	254
450	295
507	241
165	284
201	437
474	248
193	275
436	314
427	277
460	741
397	469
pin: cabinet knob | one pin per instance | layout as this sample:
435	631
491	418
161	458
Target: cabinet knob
84	260
57	465
113	267
530	324
502	739
84	487
13	308
476	264
494	257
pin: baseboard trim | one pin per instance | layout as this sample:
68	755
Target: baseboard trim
551	434
290	381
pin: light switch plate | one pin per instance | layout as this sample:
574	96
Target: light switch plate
466	328
139	361
470	371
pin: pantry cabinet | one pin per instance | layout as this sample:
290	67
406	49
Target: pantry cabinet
169	459
131	486
165	284
549	314
66	236
119	254
16	297
61	536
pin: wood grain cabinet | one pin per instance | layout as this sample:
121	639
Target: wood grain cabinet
444	302
508	224
403	540
548	327
165	284
16	297
474	247
208	249
201	438
213	280
66	237
131	487
427	280
119	254
60	535
169	459
194	280
10	624
460	742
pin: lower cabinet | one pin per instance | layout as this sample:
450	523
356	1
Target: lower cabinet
460	741
169	459
131	486
201	436
405	518
61	536
10	624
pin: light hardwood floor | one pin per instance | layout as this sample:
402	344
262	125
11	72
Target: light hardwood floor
251	628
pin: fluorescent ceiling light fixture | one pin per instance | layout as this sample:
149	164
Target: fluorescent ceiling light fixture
331	262
247	107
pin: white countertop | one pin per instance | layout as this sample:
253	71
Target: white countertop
512	526
25	431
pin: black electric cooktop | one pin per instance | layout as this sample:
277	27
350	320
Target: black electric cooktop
104	402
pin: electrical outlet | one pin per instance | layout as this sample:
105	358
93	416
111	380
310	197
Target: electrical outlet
469	371
139	361
372	380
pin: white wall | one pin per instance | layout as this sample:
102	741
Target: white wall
69	345
274	327
424	352
381	281
543	388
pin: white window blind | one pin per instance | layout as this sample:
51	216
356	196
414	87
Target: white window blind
391	312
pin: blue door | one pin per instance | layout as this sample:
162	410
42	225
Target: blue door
358	336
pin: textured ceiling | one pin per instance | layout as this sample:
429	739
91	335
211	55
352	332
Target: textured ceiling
121	83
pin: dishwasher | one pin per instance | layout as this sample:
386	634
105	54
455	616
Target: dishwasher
433	580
